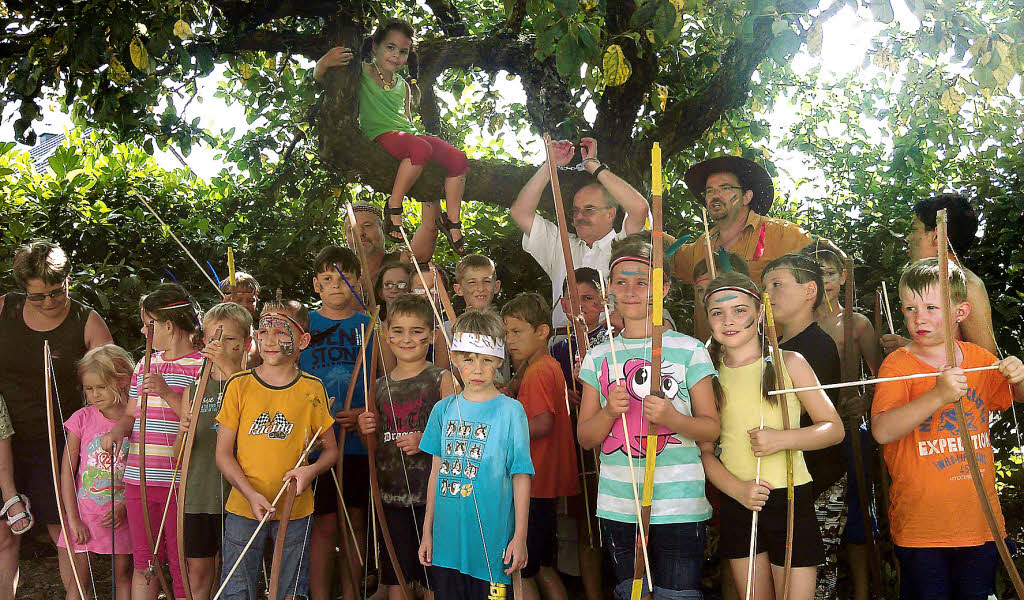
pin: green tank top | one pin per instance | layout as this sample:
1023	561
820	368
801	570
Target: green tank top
380	110
741	412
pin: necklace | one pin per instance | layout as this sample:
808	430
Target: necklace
387	86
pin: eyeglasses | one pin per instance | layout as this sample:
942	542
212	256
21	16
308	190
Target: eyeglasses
724	189
586	211
56	294
392	285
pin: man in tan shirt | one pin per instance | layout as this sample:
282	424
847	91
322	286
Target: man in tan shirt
737	194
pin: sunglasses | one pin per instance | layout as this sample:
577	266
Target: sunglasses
56	294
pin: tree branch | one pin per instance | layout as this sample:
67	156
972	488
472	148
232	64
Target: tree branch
448	16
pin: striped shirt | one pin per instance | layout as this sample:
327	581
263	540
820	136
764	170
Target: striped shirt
678	475
161	420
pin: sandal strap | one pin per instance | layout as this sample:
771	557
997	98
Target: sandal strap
16	498
392	210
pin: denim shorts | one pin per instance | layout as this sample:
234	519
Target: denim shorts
676	551
247	581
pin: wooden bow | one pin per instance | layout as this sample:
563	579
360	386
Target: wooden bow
266	515
51	426
777	363
958	407
851	372
185	452
576	318
282	530
657	323
143	401
371	405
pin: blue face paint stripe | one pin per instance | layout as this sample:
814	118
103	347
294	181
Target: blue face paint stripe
352	289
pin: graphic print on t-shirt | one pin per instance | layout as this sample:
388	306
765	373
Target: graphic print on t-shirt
637	375
96	483
277	428
947	418
463	450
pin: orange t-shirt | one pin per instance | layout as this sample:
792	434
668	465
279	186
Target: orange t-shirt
932	501
554	455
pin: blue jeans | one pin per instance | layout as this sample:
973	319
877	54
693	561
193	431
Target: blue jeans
967	573
676	551
247	581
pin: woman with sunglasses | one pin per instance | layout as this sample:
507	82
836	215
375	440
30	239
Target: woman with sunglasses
40	311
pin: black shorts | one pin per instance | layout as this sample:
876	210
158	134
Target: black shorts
202	534
355	486
405	536
33	478
808	550
541	535
450	584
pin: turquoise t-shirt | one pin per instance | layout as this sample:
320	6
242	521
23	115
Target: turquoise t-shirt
481	445
331	357
678	475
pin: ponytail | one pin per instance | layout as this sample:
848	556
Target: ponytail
170	302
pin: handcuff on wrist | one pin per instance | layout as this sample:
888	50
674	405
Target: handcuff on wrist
582	165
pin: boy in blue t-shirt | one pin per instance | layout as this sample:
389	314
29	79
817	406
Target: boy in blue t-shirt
479	491
335	341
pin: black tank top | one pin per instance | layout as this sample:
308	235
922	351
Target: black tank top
21	373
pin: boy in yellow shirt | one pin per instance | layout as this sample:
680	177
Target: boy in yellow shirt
270	414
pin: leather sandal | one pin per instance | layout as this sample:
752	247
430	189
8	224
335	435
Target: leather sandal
446	225
392	231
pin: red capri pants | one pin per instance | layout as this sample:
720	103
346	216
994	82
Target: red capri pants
421	148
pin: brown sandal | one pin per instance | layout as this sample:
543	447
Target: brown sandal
446	225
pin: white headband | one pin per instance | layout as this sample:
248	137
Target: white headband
478	344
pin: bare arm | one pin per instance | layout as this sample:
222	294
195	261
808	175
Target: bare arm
703	426
633	204
593	423
977	326
827	429
447	384
895	423
96	332
68	468
542	425
867	343
525	205
228	463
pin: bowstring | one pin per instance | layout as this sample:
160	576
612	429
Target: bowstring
67	534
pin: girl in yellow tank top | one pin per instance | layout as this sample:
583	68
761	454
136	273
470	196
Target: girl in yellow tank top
749	466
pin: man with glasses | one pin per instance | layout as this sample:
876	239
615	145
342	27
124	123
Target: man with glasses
737	194
594	208
42	311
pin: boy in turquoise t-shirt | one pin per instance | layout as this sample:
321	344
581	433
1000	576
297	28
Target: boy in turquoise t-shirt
685	415
479	491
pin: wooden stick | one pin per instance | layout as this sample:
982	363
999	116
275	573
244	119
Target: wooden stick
266	516
282	531
182	246
888	310
777	364
833	386
563	236
850	370
707	244
961	417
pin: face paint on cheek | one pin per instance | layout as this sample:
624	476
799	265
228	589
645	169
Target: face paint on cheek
236	347
749	324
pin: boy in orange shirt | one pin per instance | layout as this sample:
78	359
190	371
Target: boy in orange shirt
942	541
527	319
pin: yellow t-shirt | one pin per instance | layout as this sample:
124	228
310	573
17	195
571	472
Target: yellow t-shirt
741	412
273	426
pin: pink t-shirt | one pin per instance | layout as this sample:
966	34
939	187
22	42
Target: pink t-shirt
161	420
98	487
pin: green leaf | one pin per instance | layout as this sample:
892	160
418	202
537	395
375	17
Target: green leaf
567	8
568	57
615	66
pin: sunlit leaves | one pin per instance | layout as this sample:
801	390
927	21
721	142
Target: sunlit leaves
882	10
139	55
182	29
616	67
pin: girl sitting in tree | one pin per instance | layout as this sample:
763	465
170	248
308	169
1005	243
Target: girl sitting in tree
385	116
